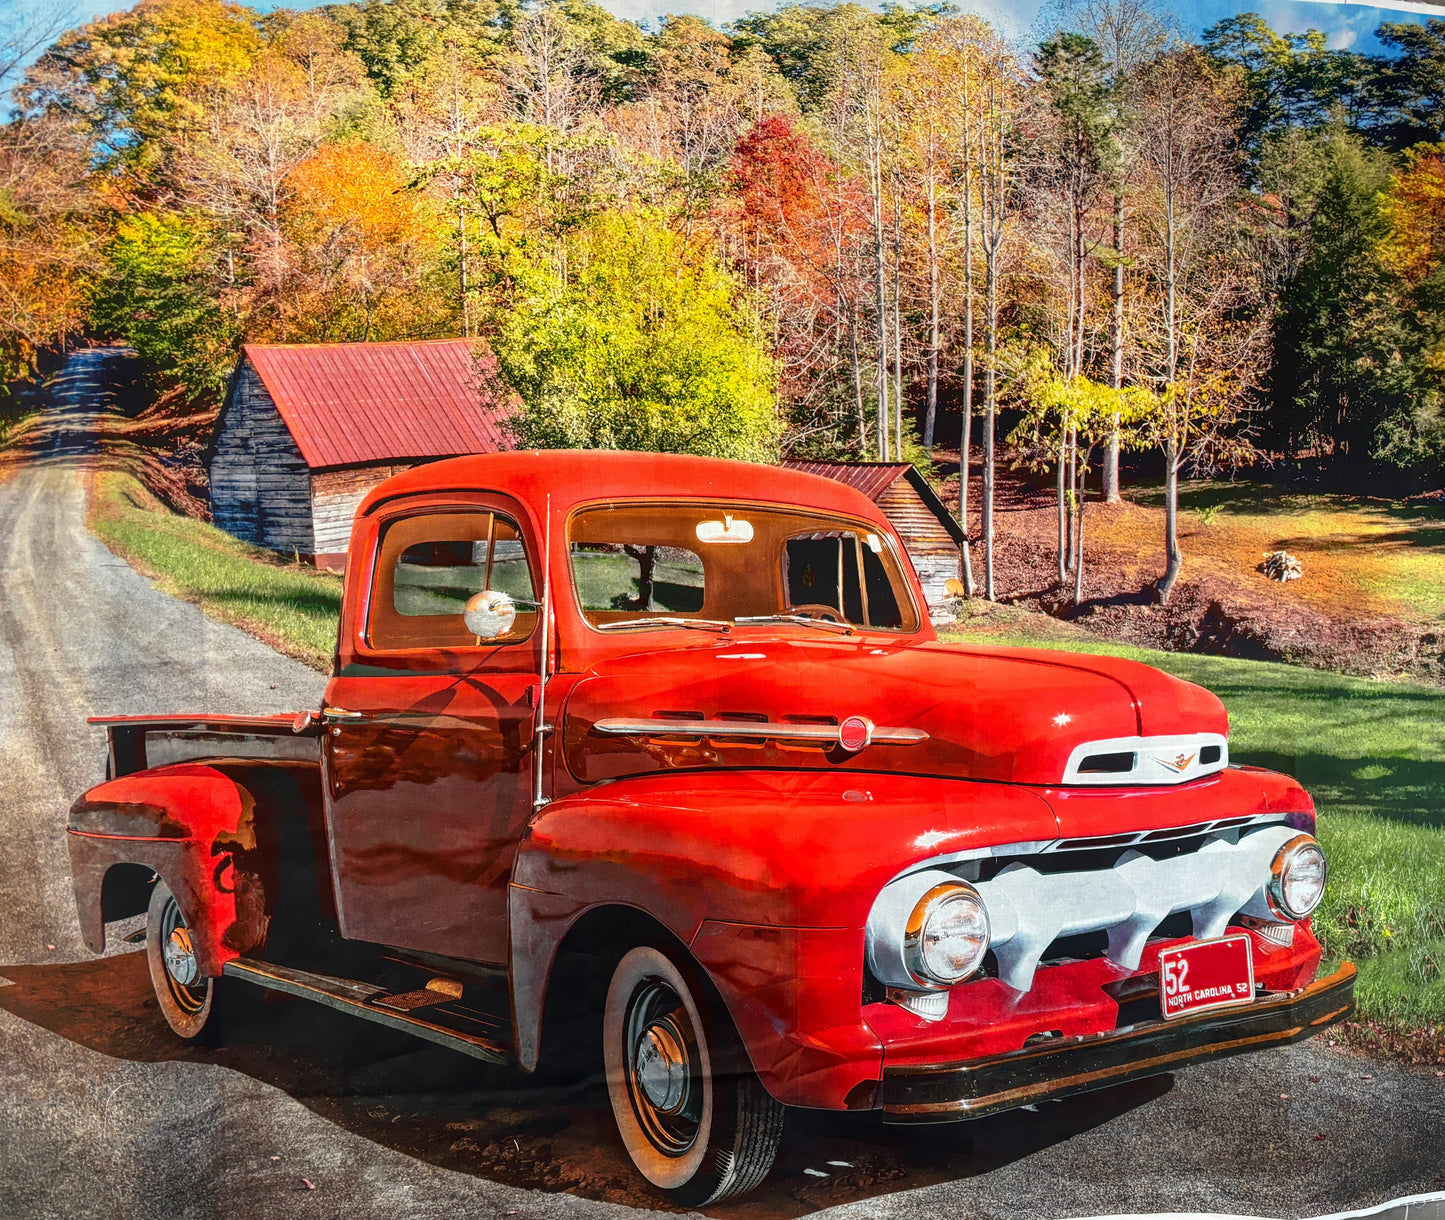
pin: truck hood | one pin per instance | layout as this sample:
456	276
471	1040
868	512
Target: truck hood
997	714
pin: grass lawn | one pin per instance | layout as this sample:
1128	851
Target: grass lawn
1373	756
290	606
1362	556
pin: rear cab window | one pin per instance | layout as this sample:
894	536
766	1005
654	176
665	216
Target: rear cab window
428	567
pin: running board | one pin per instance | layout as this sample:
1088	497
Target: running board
359	999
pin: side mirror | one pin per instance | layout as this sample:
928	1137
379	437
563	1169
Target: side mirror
489	615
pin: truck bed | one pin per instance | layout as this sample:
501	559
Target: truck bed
137	742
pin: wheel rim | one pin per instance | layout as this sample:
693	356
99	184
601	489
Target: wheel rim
661	1068
178	952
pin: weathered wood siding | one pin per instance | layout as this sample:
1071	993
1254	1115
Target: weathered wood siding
335	497
935	554
260	486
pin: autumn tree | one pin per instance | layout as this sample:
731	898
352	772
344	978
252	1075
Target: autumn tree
1073	169
46	243
143	84
363	239
645	342
1206	328
801	223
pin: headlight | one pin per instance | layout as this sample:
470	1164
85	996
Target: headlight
947	934
1297	878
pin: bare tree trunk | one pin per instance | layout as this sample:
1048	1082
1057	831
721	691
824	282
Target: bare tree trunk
1116	353
1073	493
931	413
858	385
1172	454
1171	527
965	442
882	307
990	382
462	251
1063	524
897	317
1079	550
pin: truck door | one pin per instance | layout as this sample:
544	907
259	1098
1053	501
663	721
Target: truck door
429	740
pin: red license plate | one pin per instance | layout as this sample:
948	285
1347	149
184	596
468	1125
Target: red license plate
1205	974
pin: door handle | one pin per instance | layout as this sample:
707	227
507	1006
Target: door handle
340	713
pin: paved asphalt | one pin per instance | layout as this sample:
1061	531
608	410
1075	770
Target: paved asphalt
304	1113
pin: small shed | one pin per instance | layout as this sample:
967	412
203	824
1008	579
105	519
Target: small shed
308	429
929	531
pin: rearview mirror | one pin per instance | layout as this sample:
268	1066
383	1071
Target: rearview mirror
489	615
729	529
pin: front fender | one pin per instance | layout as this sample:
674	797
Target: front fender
207	829
768	878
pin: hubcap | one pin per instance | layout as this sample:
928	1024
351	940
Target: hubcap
178	953
180	957
663	1068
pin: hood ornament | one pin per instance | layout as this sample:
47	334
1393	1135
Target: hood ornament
1179	763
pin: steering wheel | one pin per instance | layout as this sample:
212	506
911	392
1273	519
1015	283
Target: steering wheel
817	610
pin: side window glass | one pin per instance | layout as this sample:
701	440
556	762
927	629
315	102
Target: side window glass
428	568
823	569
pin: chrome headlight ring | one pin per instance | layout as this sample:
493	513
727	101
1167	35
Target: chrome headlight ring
1296	879
927	931
947	935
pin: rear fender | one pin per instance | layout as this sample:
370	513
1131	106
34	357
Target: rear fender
222	835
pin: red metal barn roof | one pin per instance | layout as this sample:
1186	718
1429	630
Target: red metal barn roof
873	479
351	403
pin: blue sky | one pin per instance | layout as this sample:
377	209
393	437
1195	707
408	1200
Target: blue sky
1348	25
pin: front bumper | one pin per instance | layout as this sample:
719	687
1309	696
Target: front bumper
946	1092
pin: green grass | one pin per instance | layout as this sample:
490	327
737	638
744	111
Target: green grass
1373	756
290	606
1393	551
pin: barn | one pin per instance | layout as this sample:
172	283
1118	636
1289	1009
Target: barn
929	531
308	429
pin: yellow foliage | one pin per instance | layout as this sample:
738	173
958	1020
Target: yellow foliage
1415	208
358	190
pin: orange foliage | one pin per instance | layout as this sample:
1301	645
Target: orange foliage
356	190
1415	206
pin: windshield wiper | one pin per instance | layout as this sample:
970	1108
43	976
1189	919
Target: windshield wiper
802	620
697	624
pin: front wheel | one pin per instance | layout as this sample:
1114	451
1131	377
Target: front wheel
186	997
693	1116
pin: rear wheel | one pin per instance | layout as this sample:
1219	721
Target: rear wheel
693	1116
186	997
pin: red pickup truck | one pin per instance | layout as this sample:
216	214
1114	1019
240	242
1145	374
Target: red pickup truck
661	756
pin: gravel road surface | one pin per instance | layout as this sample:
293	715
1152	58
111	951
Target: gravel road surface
302	1112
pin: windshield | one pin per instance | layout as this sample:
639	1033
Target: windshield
675	565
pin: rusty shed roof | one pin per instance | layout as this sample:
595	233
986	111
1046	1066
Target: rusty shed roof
875	478
349	404
871	478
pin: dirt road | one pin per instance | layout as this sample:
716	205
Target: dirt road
303	1113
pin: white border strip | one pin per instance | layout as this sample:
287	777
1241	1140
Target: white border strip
1413	1207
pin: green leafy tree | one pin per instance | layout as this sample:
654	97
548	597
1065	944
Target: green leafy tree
633	336
1412	84
145	83
157	296
1338	369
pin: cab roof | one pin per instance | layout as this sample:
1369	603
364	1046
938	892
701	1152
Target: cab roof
581	476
